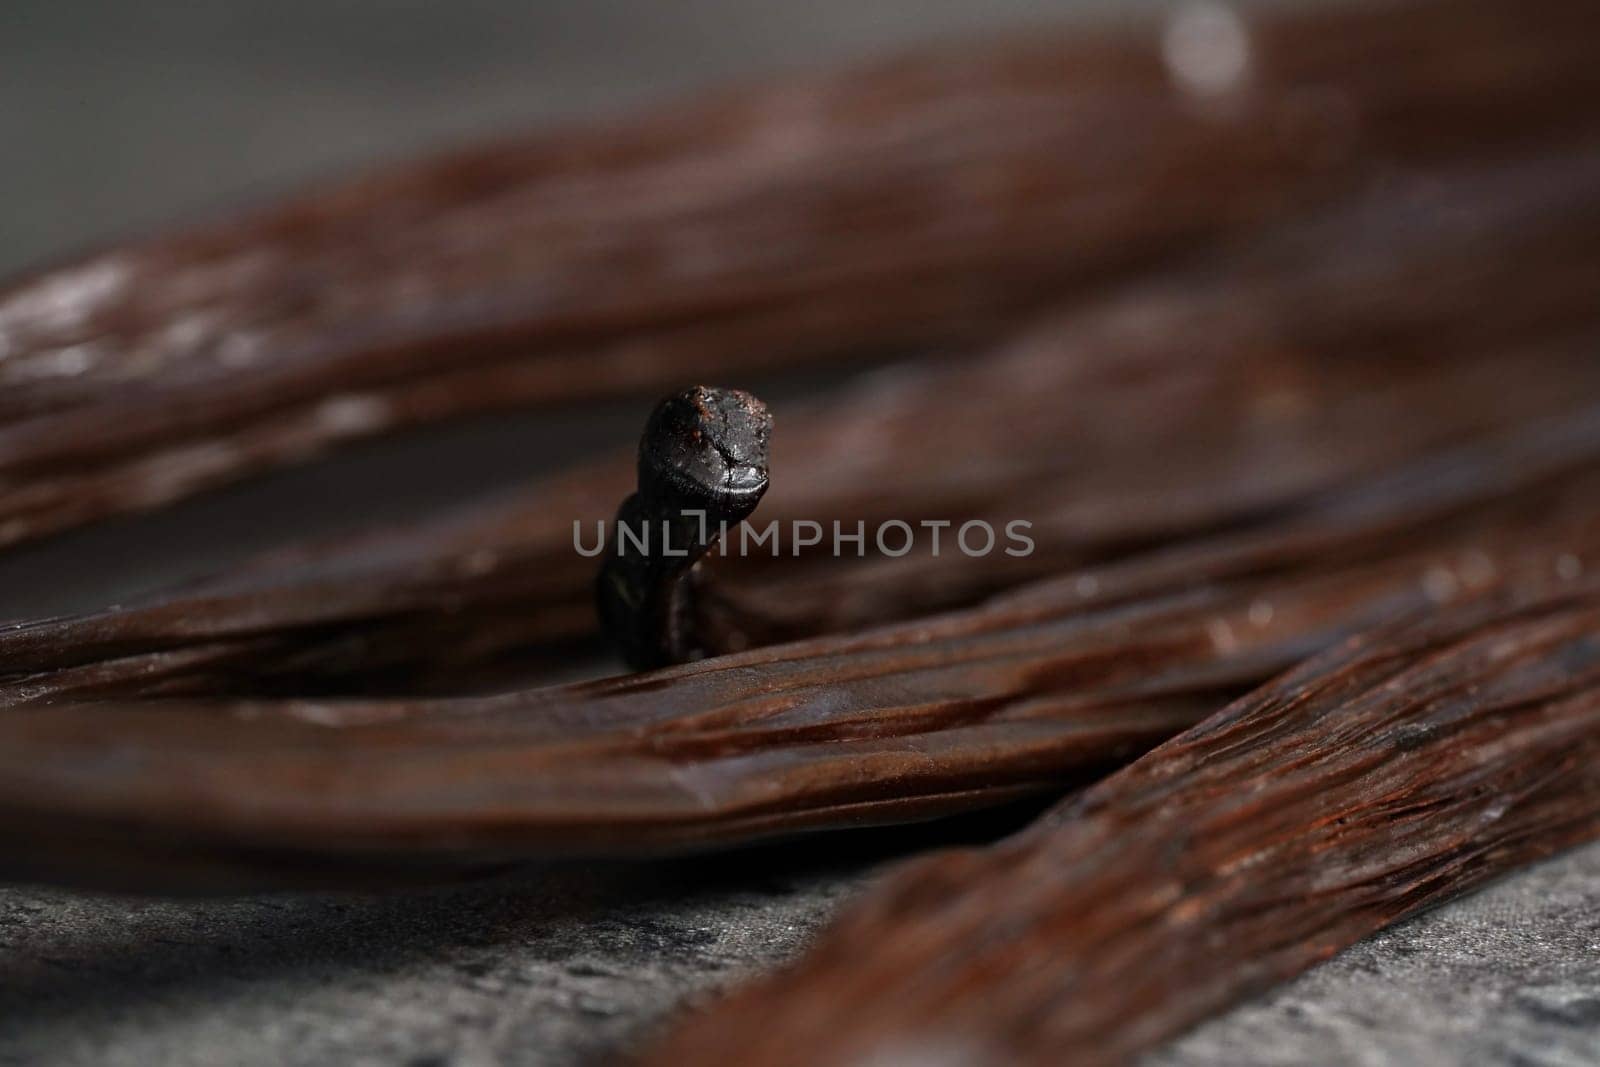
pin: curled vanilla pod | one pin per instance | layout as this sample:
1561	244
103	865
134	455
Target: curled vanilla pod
702	467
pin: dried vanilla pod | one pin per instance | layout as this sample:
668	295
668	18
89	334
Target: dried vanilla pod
1030	693
702	468
1382	777
1257	372
928	201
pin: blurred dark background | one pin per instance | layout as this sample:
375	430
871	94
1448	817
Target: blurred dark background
117	117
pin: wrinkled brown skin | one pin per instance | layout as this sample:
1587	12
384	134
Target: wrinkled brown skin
1384	776
1033	692
1209	400
923	202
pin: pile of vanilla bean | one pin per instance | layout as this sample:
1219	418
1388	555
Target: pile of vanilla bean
1294	373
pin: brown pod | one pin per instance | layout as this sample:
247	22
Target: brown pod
1380	778
1034	692
1216	397
702	468
920	203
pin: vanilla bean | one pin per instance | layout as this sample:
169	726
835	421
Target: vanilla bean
455	604
915	203
1030	693
702	467
1216	397
1387	775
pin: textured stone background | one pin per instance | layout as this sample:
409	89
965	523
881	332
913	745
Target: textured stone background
573	966
116	117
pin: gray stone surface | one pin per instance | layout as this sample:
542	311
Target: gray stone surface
579	965
559	967
551	970
117	116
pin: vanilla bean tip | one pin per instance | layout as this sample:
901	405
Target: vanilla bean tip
707	448
702	465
